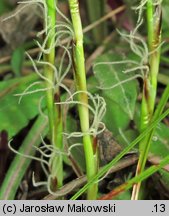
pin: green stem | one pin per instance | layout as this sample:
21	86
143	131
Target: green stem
149	87
80	78
54	112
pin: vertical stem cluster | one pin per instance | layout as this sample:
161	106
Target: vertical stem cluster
154	16
80	79
53	95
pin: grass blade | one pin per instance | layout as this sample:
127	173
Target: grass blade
20	164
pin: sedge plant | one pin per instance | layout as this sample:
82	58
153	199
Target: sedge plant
154	16
90	148
146	67
52	154
53	95
52	76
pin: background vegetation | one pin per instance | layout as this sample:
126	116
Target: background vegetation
84	99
